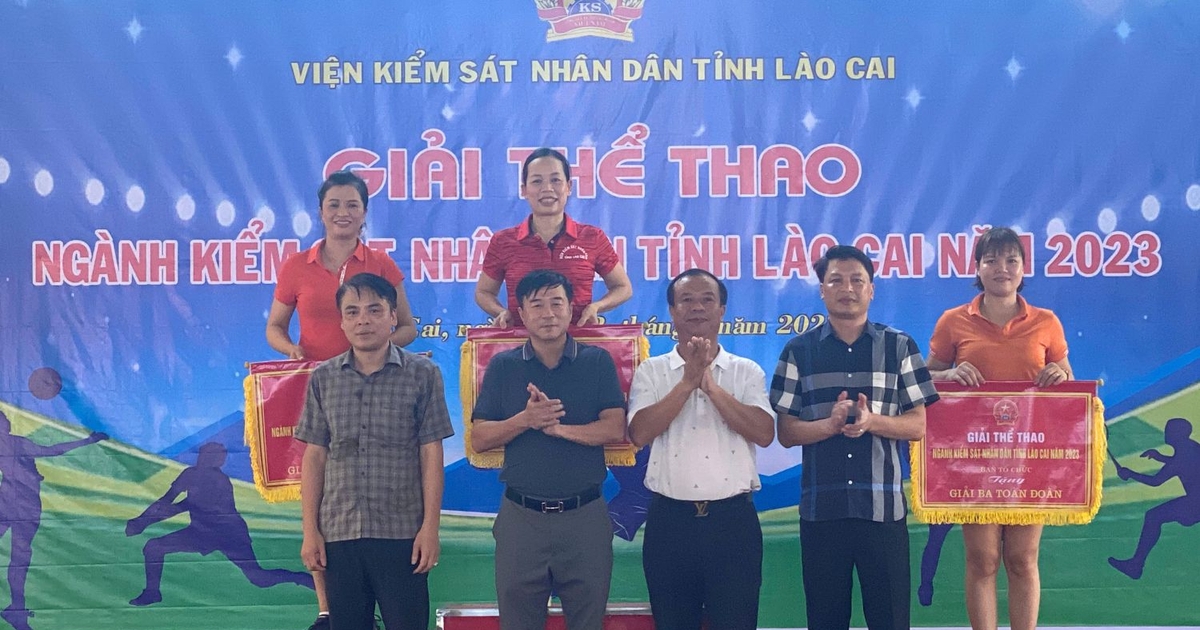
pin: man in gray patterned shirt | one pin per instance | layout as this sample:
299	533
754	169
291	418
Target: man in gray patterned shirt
372	476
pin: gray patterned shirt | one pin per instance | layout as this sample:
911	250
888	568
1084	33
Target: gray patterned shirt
374	427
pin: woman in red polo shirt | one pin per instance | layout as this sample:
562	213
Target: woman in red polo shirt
999	336
308	282
550	239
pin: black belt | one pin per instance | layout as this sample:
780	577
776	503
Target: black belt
702	508
548	506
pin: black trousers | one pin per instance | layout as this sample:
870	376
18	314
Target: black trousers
830	551
703	559
360	573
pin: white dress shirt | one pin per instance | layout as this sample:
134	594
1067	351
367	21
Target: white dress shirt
698	457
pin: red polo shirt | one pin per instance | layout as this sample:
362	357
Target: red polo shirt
305	284
1016	351
579	252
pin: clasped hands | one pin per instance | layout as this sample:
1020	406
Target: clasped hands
864	421
698	354
542	413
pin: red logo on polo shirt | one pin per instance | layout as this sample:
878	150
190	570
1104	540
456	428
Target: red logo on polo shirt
573	252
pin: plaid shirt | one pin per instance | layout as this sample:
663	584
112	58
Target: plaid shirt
844	477
374	427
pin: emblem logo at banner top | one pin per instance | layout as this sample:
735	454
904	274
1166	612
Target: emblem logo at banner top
1006	412
589	18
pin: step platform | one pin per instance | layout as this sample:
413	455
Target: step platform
632	616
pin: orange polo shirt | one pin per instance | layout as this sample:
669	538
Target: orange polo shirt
1016	351
305	284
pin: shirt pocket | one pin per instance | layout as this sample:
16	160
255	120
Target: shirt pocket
343	447
395	427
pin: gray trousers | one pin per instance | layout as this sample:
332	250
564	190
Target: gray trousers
569	552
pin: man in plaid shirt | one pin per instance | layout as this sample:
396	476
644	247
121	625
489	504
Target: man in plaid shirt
851	393
371	479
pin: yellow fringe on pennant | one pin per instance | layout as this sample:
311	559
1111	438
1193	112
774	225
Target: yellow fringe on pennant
620	455
1019	516
1099	451
614	454
466	393
626	454
252	436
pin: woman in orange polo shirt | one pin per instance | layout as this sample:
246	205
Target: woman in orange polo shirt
308	283
309	280
999	336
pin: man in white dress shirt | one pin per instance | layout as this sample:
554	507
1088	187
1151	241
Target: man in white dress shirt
703	410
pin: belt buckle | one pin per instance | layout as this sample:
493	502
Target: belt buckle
552	506
701	508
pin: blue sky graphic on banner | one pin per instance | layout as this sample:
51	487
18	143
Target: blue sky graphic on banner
159	160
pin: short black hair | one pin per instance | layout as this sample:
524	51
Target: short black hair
998	240
844	252
541	153
691	273
374	283
539	280
343	178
